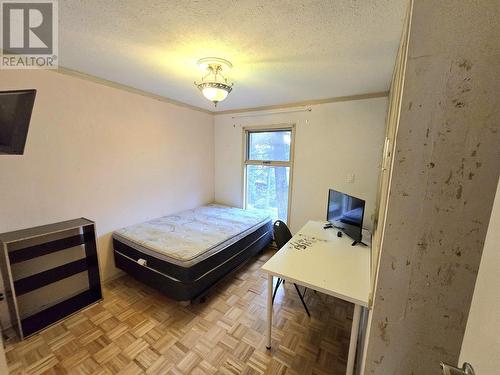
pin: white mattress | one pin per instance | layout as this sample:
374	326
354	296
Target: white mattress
191	236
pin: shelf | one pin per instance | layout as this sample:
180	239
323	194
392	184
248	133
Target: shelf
44	278
24	234
53	314
35	251
65	298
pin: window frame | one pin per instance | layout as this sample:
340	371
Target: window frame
268	163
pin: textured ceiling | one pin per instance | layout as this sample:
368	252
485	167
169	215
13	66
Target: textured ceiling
282	51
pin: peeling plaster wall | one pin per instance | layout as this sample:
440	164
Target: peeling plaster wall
446	168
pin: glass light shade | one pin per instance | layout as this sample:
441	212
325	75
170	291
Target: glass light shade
215	94
214	91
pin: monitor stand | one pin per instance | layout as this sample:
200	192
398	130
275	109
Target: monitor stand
360	242
330	226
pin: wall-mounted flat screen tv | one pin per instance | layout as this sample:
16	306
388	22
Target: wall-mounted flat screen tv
346	212
15	115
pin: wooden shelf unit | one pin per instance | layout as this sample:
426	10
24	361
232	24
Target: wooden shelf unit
31	246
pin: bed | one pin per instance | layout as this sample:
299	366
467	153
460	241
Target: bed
183	255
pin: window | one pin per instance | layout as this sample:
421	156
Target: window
268	163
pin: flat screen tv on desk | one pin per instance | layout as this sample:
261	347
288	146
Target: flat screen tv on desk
346	212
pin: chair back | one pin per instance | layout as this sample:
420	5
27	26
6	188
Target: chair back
281	233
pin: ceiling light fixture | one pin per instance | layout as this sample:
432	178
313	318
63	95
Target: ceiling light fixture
214	84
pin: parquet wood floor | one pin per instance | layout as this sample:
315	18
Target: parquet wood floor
137	330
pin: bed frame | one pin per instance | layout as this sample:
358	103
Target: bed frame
190	284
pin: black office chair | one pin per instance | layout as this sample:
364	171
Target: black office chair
281	236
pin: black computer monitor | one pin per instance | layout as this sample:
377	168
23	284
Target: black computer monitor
346	212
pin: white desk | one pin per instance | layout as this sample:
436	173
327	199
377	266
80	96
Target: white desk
329	265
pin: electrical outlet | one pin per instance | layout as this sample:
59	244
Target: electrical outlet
350	178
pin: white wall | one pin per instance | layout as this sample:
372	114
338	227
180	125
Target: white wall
481	344
331	141
106	154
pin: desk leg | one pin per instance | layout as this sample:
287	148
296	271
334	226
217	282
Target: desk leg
269	309
354	339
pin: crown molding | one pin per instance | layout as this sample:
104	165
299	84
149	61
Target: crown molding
119	86
381	94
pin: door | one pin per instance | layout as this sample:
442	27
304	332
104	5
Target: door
481	343
392	122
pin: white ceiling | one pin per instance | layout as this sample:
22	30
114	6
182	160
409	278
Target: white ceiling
282	51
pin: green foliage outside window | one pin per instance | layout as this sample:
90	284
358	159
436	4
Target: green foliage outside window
267	185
